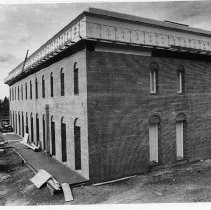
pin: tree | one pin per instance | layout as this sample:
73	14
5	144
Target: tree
5	104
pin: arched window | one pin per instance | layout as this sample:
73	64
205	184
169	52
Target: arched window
77	140
153	77
13	94
43	131
18	94
19	123
62	82
21	92
22	125
43	86
16	123
53	142
30	89
37	128
51	79
180	122
26	90
76	88
32	128
154	121
27	124
63	140
180	79
36	88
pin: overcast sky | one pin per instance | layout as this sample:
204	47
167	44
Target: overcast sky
28	26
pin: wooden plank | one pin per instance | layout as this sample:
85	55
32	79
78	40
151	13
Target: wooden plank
67	192
40	178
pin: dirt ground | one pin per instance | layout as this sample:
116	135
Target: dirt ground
190	183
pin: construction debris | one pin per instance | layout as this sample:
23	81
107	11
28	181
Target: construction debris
30	145
40	178
53	186
67	192
2	151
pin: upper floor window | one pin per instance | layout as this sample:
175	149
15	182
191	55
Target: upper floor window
26	90
15	93
51	81
62	82
36	89
43	87
10	94
21	92
180	79
76	88
153	77
30	89
18	94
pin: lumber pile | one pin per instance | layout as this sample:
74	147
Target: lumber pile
43	178
30	145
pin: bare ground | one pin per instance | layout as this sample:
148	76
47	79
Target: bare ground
190	183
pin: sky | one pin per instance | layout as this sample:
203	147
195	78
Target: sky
28	26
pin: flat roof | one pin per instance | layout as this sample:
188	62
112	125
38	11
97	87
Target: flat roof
169	24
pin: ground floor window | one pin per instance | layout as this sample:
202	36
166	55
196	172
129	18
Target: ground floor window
22	124
43	123
32	129
63	141
37	128
77	141
53	143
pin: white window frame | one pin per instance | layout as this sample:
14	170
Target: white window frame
179	82
180	139
153	83
153	142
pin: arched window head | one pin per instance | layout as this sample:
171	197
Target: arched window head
76	85
154	119
180	117
153	76
52	118
62	82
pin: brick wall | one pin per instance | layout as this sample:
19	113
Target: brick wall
119	107
69	106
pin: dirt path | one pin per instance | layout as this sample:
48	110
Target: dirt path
183	184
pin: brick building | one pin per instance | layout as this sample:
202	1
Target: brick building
112	95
